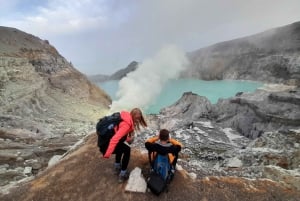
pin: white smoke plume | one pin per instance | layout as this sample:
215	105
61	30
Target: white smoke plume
141	87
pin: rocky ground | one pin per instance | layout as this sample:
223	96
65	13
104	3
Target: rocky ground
85	175
255	135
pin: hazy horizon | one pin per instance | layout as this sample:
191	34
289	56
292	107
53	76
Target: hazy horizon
103	36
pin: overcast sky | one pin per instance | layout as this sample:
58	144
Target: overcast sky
102	36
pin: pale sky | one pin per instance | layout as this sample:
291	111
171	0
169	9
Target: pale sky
102	36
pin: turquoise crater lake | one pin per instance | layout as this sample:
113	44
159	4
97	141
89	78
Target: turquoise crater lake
174	89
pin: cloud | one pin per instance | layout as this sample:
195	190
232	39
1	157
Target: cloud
63	17
196	23
101	36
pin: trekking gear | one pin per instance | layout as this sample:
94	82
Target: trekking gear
117	168
155	183
123	176
162	166
161	173
105	130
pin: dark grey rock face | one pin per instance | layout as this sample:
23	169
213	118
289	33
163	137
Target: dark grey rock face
251	114
190	106
259	112
272	56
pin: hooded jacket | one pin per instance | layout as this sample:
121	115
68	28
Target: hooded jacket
172	147
126	126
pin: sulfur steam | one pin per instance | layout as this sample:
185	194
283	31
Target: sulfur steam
141	87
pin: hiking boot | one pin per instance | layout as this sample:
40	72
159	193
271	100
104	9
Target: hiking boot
117	168
123	177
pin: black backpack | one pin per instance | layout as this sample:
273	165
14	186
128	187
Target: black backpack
105	130
161	174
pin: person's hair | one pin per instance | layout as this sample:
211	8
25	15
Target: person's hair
164	135
141	122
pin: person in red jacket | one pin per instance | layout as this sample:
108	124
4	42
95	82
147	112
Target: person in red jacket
119	143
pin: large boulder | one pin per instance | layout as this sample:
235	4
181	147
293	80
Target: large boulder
190	106
255	113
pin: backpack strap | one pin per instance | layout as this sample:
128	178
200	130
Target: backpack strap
152	155
149	157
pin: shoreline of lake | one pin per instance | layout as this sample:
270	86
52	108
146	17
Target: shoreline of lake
173	90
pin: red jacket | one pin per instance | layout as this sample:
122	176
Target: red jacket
125	127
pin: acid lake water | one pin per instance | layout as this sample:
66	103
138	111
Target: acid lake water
174	89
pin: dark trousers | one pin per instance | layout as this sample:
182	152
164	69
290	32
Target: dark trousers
175	160
122	152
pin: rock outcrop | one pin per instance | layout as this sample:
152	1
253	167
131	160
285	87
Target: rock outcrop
115	76
272	56
46	105
123	72
255	113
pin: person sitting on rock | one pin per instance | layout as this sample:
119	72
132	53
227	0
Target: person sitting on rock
163	145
